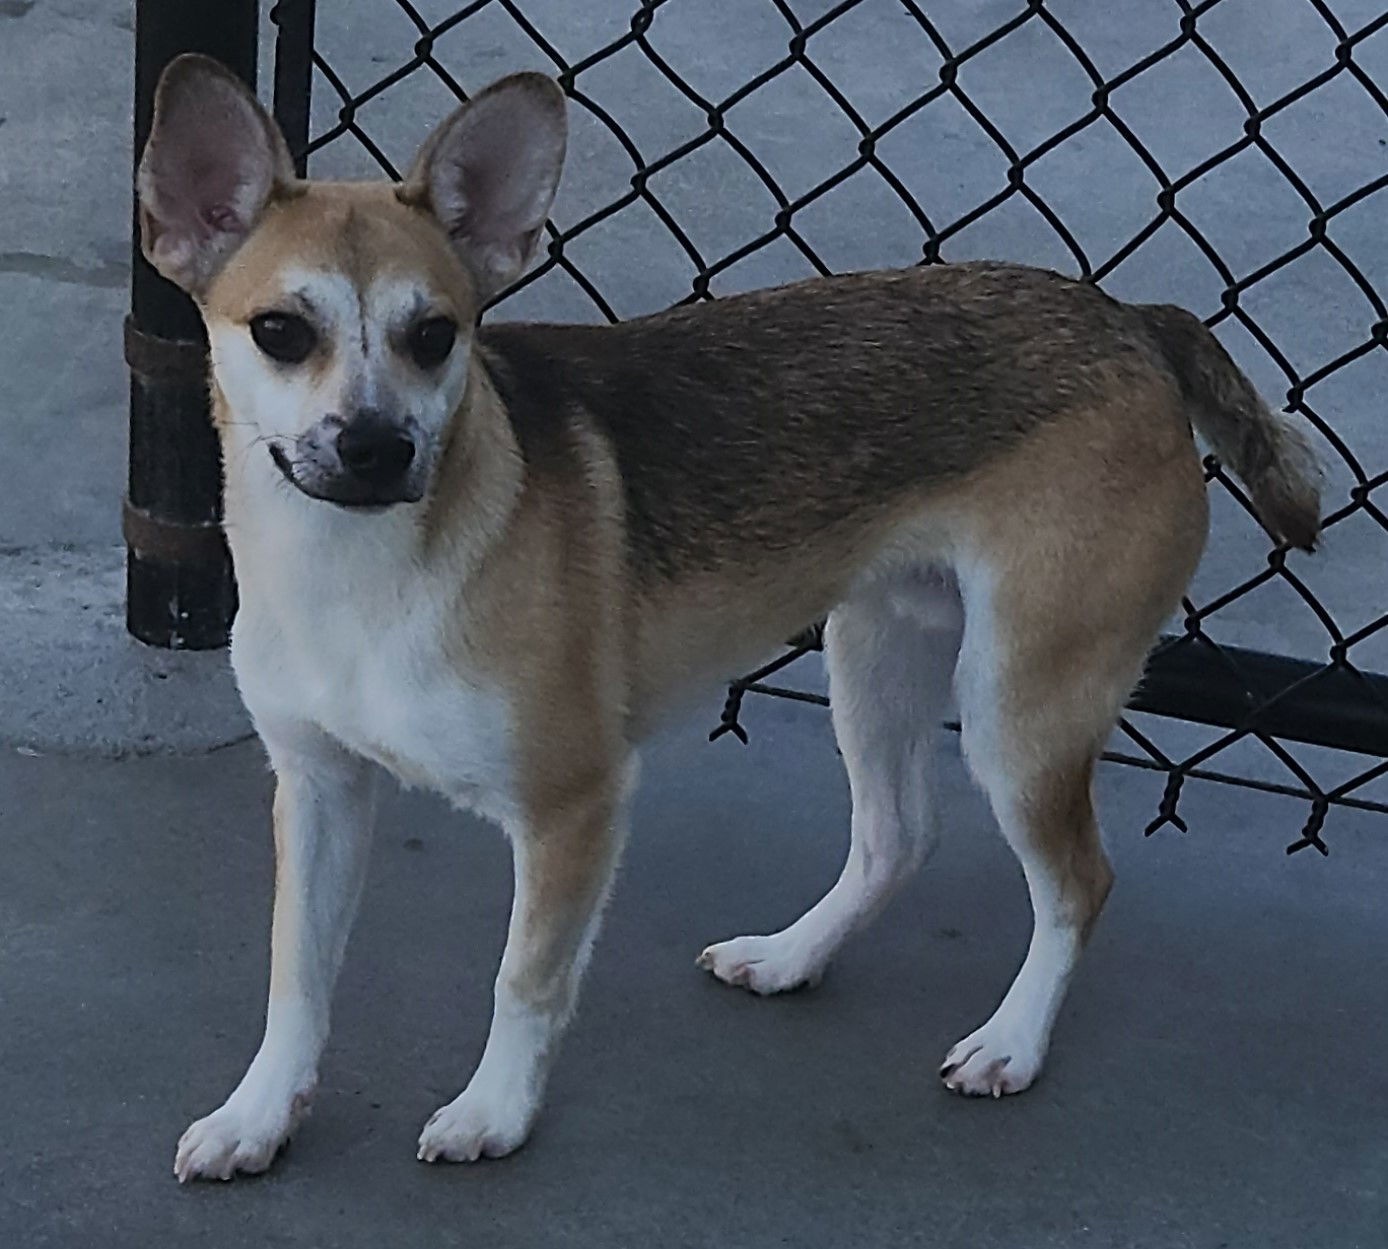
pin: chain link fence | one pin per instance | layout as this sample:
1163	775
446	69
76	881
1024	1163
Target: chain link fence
1227	155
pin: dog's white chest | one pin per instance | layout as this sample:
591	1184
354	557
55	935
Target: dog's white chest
370	670
407	710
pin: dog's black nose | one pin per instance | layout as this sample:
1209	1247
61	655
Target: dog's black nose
374	450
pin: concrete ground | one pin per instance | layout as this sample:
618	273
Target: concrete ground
1218	1077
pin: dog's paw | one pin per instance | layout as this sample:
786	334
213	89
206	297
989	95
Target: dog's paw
762	964
993	1061
238	1137
478	1123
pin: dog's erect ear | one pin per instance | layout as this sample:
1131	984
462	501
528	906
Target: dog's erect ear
213	157
489	173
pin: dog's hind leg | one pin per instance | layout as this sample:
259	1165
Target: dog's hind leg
890	654
1033	751
1065	581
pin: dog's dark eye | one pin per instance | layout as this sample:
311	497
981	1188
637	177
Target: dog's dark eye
431	340
283	336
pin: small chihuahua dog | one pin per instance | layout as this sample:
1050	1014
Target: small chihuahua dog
490	558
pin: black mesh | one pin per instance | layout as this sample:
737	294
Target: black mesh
1321	697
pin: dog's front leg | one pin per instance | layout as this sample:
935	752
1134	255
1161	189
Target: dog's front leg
566	846
324	810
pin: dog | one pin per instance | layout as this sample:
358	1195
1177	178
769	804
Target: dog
490	558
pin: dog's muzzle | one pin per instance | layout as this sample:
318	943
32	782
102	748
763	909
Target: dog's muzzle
368	461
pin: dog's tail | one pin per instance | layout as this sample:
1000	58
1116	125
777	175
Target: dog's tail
1268	454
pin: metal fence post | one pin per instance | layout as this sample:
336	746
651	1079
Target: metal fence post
180	592
294	20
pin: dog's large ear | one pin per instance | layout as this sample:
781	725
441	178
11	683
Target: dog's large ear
213	157
489	173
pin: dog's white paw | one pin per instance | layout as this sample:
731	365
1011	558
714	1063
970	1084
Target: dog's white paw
773	964
241	1136
995	1060
478	1123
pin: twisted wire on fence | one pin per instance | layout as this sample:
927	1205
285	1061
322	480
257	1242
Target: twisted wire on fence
1366	498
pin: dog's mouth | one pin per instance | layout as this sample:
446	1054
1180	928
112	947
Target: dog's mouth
282	463
343	492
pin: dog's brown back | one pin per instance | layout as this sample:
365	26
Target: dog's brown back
753	424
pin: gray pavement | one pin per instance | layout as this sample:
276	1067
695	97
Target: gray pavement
1218	1078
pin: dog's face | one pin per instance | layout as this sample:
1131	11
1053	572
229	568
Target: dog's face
340	334
340	316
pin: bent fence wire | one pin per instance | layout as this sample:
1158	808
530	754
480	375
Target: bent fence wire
1320	718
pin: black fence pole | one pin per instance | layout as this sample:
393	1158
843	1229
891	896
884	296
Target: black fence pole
294	20
180	592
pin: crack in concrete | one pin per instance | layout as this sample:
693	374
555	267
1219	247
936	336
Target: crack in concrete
57	269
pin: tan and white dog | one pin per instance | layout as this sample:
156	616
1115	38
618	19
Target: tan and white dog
489	558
